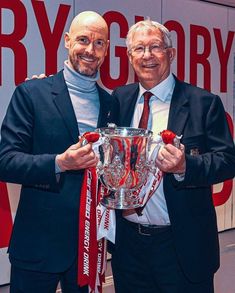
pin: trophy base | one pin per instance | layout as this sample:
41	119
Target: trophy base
121	200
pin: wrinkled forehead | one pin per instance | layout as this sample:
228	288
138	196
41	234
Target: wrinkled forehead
142	34
89	25
90	31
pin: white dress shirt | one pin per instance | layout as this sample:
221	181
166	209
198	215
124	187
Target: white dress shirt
155	211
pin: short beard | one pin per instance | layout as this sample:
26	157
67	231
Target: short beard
86	71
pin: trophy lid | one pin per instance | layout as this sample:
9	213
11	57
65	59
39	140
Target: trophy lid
113	130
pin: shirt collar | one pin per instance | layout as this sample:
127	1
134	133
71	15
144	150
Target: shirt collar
163	91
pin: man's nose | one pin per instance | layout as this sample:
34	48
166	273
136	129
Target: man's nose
147	52
90	48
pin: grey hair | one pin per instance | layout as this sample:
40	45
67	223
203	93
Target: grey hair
148	24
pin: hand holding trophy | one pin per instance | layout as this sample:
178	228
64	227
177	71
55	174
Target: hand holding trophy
126	163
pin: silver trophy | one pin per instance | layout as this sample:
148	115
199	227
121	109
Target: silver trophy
124	164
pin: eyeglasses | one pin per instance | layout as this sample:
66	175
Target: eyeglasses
140	49
98	44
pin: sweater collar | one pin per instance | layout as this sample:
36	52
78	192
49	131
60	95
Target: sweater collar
76	80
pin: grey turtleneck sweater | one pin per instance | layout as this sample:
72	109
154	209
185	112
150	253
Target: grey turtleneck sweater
85	98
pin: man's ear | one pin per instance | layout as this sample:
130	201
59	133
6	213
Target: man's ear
66	40
172	54
129	57
107	46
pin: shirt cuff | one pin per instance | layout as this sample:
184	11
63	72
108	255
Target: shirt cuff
179	177
57	168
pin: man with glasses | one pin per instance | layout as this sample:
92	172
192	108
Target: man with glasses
171	245
39	149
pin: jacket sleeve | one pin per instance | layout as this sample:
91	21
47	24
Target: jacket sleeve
18	162
217	163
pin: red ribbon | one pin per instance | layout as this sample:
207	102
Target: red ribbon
91	253
87	231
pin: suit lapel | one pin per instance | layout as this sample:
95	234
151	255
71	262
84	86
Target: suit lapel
178	109
104	112
64	105
128	105
177	116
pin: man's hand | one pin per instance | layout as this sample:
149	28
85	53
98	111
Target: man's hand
171	159
40	76
77	157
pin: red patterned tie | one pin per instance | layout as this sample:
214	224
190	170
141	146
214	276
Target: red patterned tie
143	124
145	115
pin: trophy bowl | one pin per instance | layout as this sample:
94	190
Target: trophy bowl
124	165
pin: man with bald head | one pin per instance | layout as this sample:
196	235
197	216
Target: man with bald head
87	29
40	150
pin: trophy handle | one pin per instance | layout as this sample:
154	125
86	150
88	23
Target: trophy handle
163	138
153	149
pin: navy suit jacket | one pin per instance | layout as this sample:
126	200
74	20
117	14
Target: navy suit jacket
40	123
199	116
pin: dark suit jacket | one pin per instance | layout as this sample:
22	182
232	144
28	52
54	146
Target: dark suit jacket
199	116
39	124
